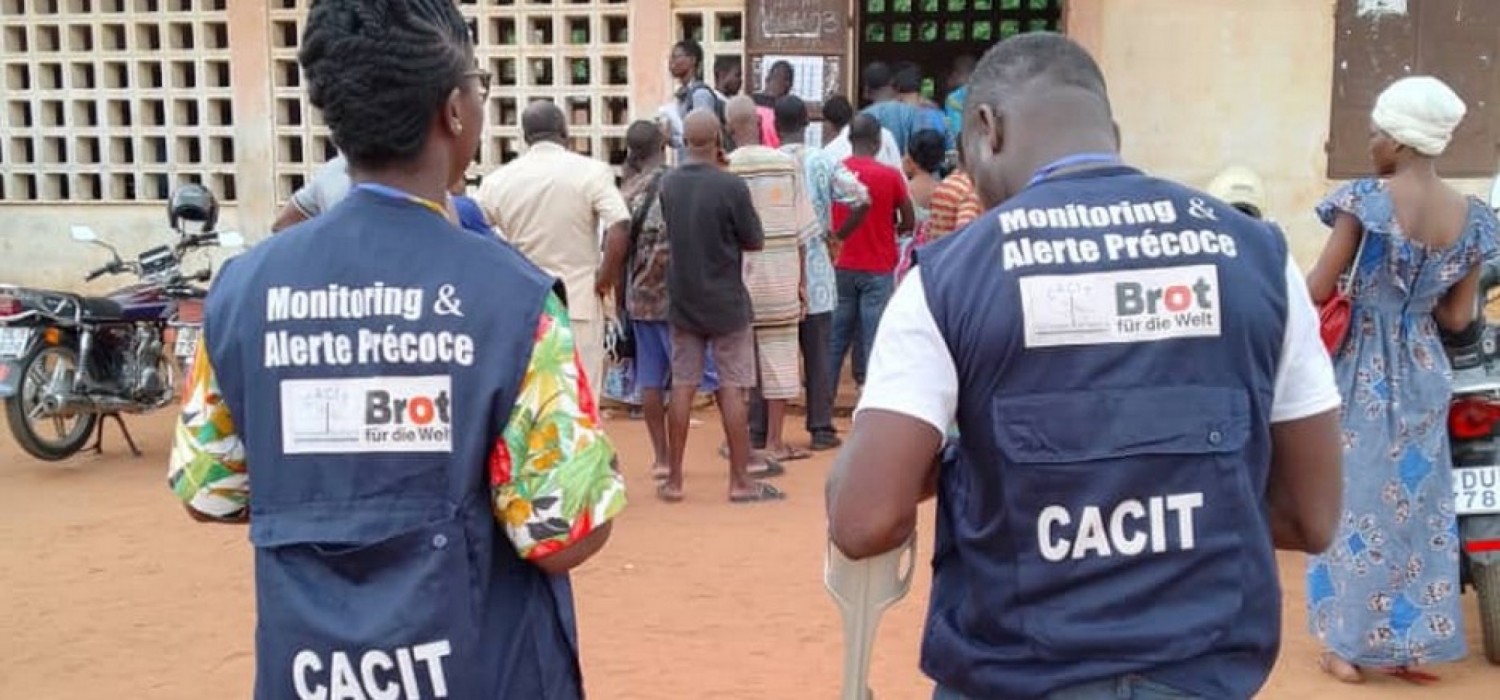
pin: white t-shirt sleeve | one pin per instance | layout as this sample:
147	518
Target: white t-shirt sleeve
1305	384
910	371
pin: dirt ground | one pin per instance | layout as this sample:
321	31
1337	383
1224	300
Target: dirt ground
108	590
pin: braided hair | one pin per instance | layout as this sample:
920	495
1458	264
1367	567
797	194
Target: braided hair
380	70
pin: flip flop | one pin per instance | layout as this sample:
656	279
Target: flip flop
772	468
667	494
763	492
1349	674
792	454
1411	675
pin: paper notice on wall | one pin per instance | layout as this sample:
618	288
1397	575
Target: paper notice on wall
807	75
1375	9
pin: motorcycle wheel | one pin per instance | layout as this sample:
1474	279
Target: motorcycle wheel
1487	584
68	433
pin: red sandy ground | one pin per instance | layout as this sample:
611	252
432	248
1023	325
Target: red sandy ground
108	590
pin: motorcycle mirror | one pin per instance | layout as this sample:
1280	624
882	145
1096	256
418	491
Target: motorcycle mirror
231	239
84	234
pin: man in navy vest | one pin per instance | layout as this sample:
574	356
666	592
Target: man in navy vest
427	458
1143	404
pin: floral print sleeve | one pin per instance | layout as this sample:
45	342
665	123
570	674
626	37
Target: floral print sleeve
552	471
207	465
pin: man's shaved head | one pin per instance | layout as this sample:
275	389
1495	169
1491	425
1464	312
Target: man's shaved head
864	129
1033	98
739	112
543	121
1037	60
700	134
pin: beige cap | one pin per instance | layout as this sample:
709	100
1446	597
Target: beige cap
1239	185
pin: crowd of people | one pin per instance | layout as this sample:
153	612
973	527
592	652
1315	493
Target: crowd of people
418	407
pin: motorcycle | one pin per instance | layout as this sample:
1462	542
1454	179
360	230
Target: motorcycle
1474	437
68	361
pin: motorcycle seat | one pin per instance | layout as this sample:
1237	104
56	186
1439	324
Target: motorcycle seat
101	309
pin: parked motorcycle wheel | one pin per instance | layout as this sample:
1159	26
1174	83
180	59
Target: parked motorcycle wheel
1487	584
67	434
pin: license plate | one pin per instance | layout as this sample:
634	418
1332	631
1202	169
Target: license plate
14	341
187	342
1477	490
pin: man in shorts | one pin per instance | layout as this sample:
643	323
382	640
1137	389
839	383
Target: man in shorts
774	275
711	223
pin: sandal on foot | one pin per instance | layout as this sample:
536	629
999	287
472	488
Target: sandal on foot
763	492
1334	665
1411	675
668	493
765	470
790	454
659	473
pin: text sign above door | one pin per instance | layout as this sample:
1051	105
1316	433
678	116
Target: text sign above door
797	26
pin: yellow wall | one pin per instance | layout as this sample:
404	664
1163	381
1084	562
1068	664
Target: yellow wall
1200	85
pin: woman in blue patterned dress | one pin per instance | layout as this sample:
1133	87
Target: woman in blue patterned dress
1386	593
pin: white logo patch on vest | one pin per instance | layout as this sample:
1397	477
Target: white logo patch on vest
1130	306
366	415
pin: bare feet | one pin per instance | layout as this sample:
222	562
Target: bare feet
1337	667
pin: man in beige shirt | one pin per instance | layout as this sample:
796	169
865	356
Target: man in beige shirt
551	203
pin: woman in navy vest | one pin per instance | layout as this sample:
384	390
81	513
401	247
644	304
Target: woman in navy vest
427	458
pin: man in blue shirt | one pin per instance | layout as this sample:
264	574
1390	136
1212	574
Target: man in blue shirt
1144	404
958	88
894	115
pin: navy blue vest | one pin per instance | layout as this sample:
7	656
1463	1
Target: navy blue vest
1116	338
370	358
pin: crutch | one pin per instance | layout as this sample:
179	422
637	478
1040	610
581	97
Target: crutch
863	590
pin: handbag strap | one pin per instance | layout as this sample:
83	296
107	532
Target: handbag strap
1346	281
637	221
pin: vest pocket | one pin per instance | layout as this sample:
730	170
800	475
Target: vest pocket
1125	510
394	613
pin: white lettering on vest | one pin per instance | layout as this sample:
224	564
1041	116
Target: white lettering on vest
303	663
374	680
1123	534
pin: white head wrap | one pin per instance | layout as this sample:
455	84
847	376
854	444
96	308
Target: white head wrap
1420	112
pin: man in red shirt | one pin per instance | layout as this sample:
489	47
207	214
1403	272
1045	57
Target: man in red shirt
866	263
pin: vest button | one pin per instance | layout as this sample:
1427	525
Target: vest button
439	541
1215	437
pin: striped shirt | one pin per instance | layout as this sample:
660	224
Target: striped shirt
773	275
954	204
